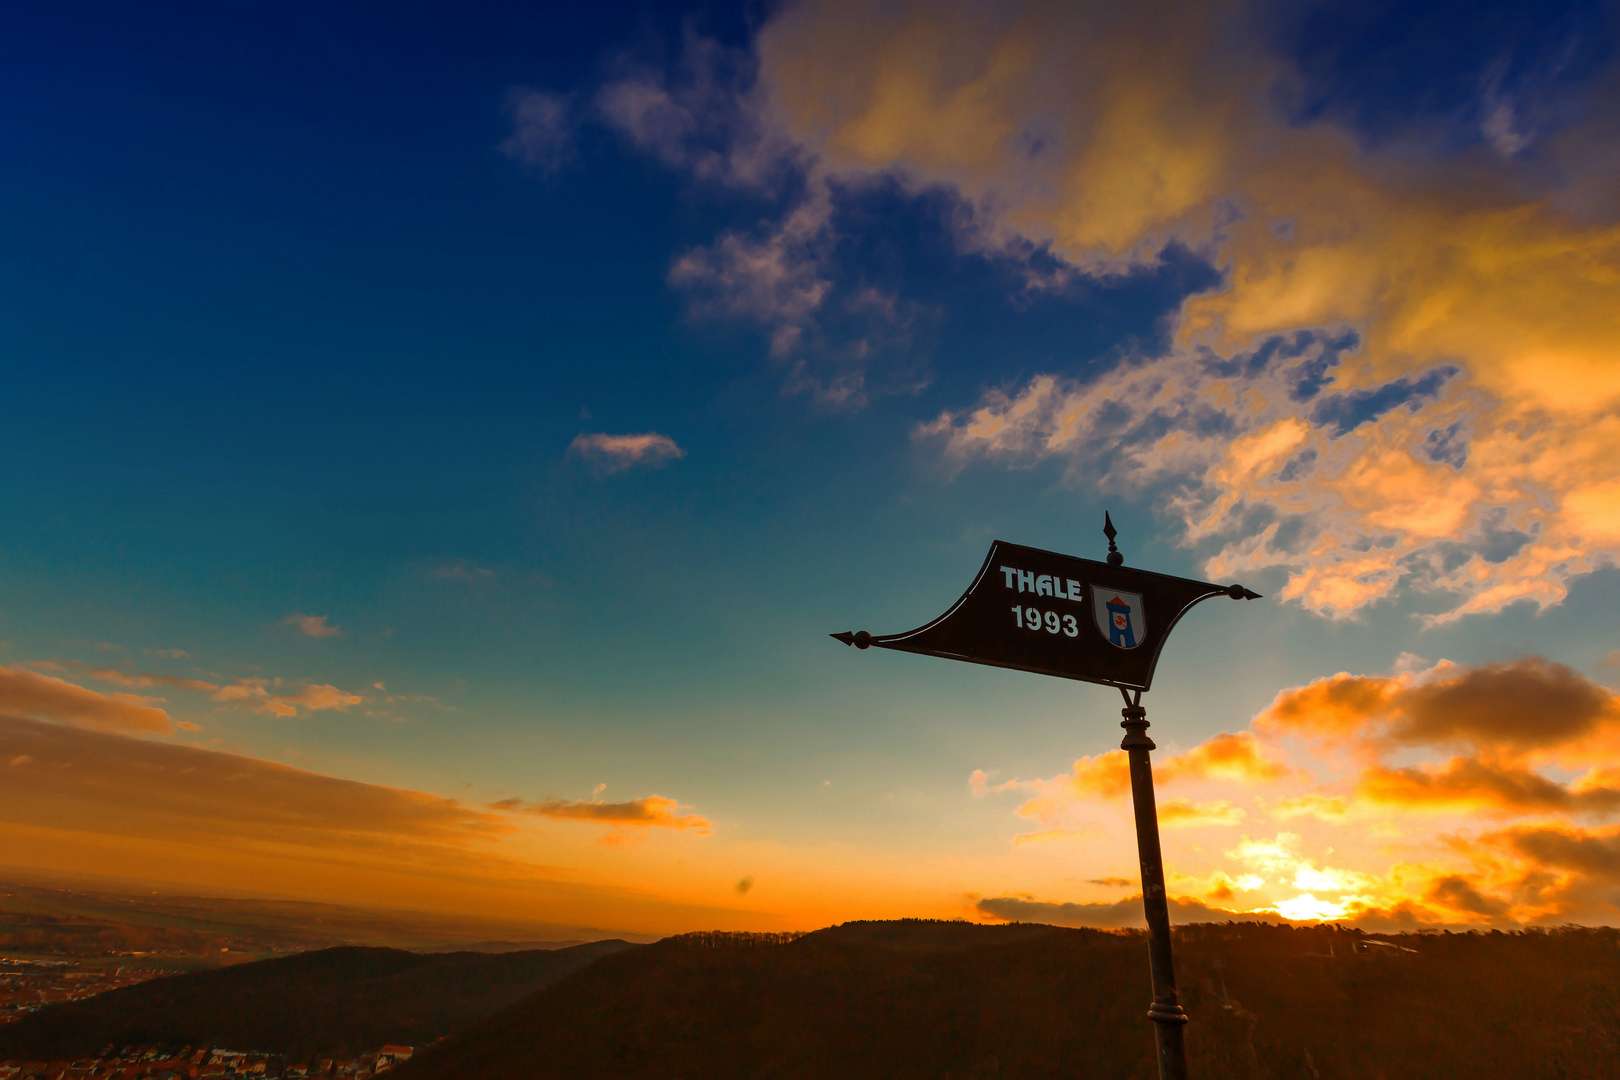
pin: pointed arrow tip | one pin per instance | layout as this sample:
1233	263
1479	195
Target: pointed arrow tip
846	637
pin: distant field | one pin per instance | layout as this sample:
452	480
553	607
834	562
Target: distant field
97	928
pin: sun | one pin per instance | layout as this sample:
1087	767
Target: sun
1305	907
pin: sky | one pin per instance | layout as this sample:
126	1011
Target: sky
440	438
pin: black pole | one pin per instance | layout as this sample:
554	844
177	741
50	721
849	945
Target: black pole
1166	1013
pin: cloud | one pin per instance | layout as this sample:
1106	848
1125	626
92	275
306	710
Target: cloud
1531	702
47	697
1511	719
1470	786
463	571
653	811
840	339
260	694
774	279
311	626
542	130
608	454
76	778
317	697
1591	853
1178	813
264	695
1525	707
1335	707
143	679
79	801
1458	894
1447	425
1403	771
1119	914
1323	807
1238	758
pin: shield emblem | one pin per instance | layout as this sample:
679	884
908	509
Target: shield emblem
1119	617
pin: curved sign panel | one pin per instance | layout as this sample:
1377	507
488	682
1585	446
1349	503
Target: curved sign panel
1058	615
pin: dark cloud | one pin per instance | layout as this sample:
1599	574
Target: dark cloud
1526	704
1121	913
1592	853
1457	893
1531	702
653	810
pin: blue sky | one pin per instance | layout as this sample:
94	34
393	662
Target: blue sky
303	310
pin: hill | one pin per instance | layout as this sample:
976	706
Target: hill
335	1002
928	999
52	921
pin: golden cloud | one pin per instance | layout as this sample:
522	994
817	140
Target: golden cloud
652	811
1176	813
1477	302
259	694
1531	708
264	695
110	783
1387	842
1239	758
79	801
33	694
1470	786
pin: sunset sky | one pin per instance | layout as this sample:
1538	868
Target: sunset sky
439	439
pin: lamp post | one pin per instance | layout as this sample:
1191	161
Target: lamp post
1099	622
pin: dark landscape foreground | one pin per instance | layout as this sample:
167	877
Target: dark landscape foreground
901	999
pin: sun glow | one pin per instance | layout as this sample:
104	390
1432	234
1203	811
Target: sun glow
1307	908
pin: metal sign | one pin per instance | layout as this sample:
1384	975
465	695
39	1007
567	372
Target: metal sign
1098	622
1054	614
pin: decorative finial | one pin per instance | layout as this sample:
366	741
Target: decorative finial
1114	556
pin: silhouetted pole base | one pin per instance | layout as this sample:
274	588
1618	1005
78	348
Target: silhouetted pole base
1166	1013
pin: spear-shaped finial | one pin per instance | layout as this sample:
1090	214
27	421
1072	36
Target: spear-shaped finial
1114	556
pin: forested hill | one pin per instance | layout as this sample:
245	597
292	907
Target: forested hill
334	1001
954	1000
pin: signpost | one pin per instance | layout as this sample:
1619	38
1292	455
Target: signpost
1052	614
